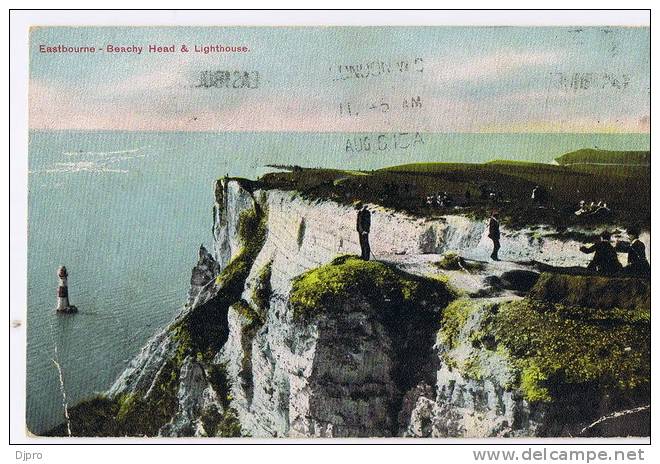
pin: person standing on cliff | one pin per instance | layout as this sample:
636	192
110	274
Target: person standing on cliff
363	228
494	234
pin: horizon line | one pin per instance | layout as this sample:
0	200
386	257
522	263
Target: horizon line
340	132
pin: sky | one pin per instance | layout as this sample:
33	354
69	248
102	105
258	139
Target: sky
458	79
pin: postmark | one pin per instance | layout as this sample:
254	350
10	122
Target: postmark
581	81
383	142
376	68
380	105
226	79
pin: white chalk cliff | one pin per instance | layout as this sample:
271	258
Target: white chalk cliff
339	374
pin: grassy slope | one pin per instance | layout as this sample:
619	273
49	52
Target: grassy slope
626	189
590	155
596	344
560	347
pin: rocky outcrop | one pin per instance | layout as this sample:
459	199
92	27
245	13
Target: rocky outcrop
536	368
206	269
473	390
231	200
145	368
176	366
194	394
329	378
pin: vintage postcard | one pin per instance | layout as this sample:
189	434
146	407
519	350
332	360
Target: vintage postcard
373	231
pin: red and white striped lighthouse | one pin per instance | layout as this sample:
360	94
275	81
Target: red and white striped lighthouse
63	305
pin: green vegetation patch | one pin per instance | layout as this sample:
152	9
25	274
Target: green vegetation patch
204	328
326	288
624	187
138	416
453	333
557	345
220	423
454	317
590	155
592	291
453	262
263	289
253	318
554	345
252	231
254	321
128	415
91	417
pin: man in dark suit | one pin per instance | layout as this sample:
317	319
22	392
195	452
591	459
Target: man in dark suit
605	260
637	262
363	227
494	234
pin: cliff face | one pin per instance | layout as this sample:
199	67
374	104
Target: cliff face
243	357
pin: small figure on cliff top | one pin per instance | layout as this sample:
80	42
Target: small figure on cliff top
582	208
605	260
637	263
494	234
363	228
445	200
538	195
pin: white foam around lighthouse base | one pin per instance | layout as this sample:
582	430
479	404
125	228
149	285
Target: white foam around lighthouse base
68	309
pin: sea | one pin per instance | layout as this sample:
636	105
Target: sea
126	212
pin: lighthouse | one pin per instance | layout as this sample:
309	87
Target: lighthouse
63	305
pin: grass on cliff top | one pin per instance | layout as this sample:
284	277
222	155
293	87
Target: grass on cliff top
328	287
626	189
579	330
558	345
593	291
590	155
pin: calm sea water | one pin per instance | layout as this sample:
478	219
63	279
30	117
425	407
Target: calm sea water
127	211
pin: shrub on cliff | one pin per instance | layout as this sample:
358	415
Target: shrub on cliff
453	262
326	288
263	289
93	417
252	231
592	291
